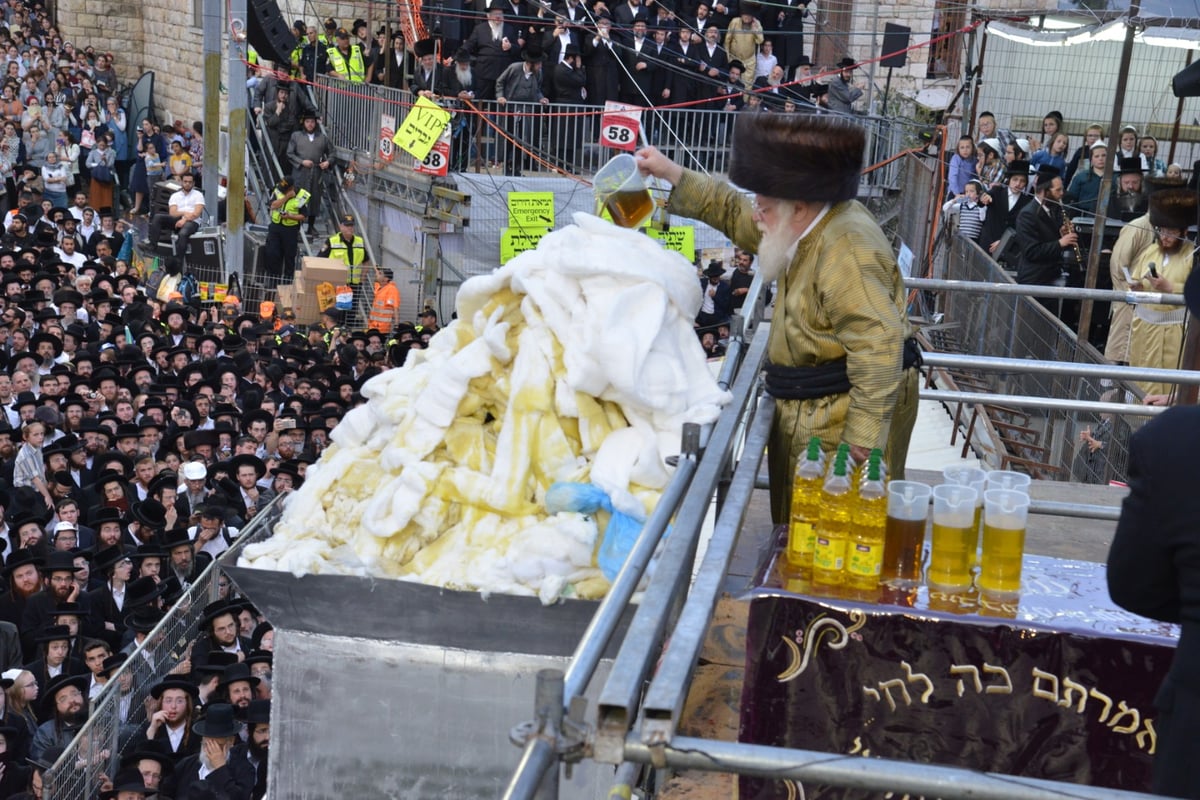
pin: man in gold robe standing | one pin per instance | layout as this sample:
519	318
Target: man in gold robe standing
842	364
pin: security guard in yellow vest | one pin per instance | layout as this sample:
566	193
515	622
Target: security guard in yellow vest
348	248
283	234
346	60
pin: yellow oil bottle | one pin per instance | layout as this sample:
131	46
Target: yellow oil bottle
864	550
806	509
829	553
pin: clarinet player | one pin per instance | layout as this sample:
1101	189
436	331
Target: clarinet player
1041	236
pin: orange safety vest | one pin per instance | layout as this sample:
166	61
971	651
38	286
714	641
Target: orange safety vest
383	310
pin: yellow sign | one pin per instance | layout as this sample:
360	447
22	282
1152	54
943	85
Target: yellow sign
680	238
514	241
531	209
421	128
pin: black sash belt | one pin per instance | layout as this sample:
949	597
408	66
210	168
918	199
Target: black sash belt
823	380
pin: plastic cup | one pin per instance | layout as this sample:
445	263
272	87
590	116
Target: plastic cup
904	537
976	478
951	555
1004	480
620	189
1004	517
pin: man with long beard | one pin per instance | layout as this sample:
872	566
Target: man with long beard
842	365
1163	266
221	764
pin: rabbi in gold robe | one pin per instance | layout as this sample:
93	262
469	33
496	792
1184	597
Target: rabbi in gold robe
842	364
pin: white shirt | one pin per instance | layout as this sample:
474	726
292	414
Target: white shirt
76	259
187	202
176	736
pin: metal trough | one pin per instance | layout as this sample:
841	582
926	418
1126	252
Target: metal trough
396	689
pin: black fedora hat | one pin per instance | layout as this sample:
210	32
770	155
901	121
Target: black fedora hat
53	633
66	610
144	618
173	682
260	657
60	561
145	551
237	672
112	664
154	751
150	750
218	722
151	514
217	661
219	608
128	780
257	713
143	591
109	557
175	537
107	514
245	459
290	468
20	558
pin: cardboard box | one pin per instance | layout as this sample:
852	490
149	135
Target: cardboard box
304	305
315	270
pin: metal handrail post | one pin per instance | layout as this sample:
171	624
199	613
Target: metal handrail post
1053	403
1028	290
620	692
855	772
1071	368
664	700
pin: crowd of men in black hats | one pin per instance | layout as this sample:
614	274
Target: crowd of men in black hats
137	439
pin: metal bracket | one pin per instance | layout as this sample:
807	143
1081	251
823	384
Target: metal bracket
569	735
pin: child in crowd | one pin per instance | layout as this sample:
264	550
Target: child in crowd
962	166
968	210
1054	153
1175	171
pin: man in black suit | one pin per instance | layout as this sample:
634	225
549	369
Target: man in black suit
428	78
1154	570
602	56
224	771
494	44
1039	232
555	44
637	79
625	15
1004	204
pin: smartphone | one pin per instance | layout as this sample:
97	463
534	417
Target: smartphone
287	424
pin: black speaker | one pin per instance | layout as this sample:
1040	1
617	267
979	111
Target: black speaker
1186	82
269	32
895	45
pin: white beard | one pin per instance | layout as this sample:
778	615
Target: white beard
463	75
773	252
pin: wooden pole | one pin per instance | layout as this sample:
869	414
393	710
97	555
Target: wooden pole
1114	144
1178	115
978	83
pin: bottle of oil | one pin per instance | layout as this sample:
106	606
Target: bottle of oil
864	559
806	508
829	554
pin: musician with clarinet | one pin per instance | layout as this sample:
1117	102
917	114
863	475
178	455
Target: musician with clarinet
1042	237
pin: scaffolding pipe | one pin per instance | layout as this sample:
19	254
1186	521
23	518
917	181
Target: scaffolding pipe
664	700
625	682
855	772
1051	403
1069	368
1027	290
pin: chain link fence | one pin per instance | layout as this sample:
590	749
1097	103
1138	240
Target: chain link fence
1009	326
118	713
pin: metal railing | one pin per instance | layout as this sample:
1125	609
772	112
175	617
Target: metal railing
566	136
113	726
991	320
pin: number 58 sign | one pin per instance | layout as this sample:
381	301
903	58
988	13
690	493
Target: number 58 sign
620	125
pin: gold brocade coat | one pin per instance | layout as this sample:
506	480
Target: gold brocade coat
841	296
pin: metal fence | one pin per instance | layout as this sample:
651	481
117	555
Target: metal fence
1009	326
566	136
117	713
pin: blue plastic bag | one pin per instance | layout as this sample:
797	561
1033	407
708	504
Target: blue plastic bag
622	531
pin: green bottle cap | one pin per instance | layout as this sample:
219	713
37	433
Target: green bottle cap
814	449
873	471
